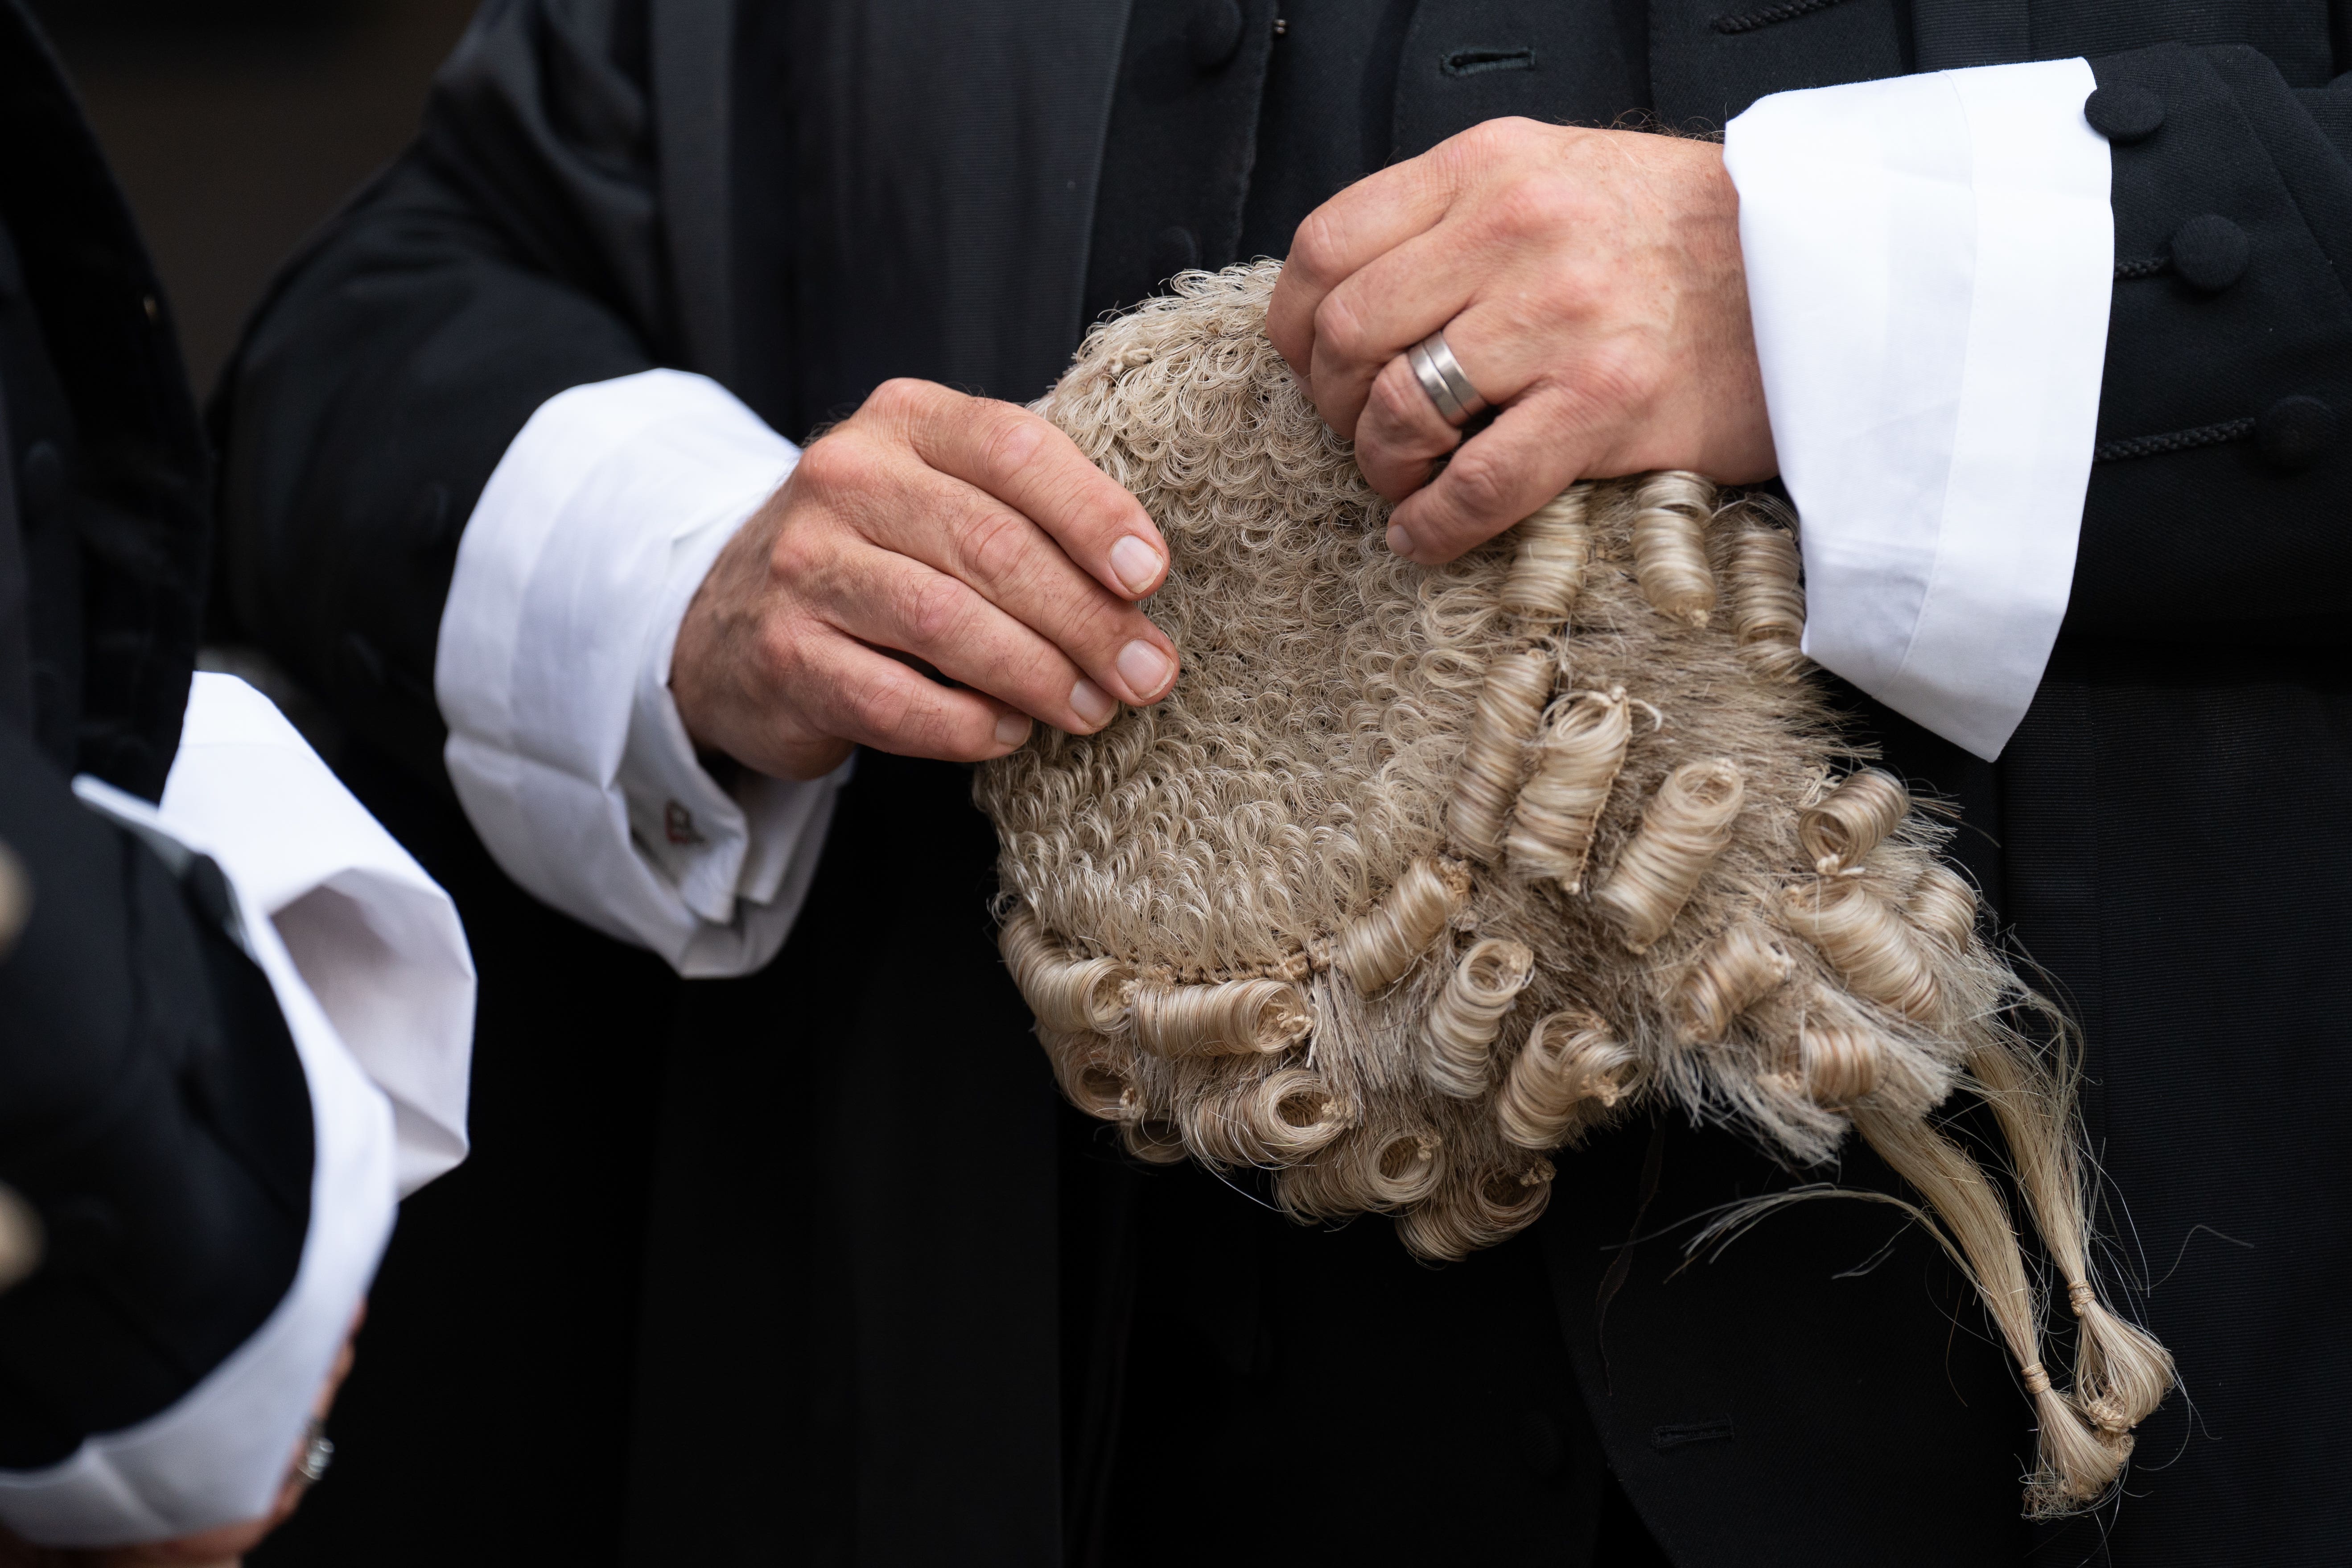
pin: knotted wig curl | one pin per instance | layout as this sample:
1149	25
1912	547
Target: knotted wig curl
1421	874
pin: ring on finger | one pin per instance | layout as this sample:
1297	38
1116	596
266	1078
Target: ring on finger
318	1453
1442	377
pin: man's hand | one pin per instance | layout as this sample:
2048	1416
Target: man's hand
965	533
1588	281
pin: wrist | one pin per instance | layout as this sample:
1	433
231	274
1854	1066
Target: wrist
689	657
734	700
720	632
1738	444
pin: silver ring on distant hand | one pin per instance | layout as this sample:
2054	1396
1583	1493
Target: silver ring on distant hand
318	1453
1440	374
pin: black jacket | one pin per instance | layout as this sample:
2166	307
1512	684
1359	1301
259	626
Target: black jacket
869	1335
151	1108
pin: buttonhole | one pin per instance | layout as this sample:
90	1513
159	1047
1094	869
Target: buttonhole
1789	11
1477	62
1683	1434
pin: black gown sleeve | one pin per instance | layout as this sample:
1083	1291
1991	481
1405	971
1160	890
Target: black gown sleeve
511	253
2217	506
153	1113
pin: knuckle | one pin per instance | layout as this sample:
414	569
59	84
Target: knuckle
1095	515
1341	328
1579	289
929	607
926	722
840	462
1501	137
945	734
1399	404
820	460
1534	204
777	651
1620	377
1481	487
1315	245
1469	154
1010	437
878	705
900	395
990	544
1099	626
1483	137
800	555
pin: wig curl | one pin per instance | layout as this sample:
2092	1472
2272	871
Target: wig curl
1423	874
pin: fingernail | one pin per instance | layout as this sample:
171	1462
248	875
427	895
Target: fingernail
1091	702
1399	540
1144	669
1135	564
1012	729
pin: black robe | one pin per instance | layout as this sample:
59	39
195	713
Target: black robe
879	1314
152	1110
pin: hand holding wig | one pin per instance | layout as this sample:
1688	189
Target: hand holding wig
1421	874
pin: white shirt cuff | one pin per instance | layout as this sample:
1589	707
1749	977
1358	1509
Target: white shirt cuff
351	935
1931	261
376	941
566	748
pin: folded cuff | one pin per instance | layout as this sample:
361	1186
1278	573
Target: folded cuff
219	1454
1931	261
377	941
565	747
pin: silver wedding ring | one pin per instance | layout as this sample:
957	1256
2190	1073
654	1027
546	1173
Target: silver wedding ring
318	1453
1440	374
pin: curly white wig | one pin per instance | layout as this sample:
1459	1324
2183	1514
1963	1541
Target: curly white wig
1421	874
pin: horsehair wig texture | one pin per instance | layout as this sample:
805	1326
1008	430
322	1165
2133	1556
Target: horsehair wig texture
1687	823
1839	1062
1575	767
1731	975
1379	946
1230	1018
1555	543
1942	904
1510	707
1767	603
1392	898
1853	820
1669	536
1570	1075
2122	1373
1071	996
1468	1012
1366	1172
1869	942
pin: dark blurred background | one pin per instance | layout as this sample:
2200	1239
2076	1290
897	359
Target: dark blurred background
237	126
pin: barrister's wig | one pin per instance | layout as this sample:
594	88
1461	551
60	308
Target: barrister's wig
1421	874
